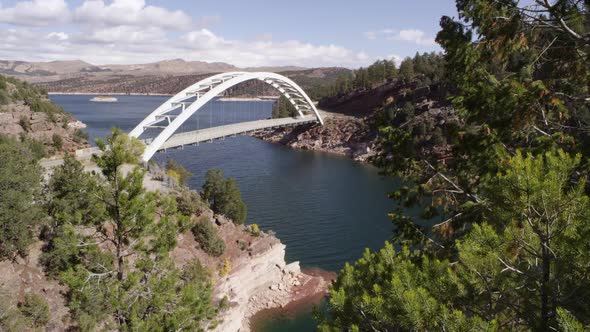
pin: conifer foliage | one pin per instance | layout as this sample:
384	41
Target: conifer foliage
502	243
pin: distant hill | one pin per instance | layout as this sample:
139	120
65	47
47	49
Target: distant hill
23	68
308	79
34	72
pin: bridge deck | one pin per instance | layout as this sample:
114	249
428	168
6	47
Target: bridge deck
208	134
202	135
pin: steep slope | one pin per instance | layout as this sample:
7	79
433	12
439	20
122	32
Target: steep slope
26	113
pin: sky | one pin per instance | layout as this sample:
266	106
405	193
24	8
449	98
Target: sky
245	33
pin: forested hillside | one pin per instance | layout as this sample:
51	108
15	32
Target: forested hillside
502	242
85	251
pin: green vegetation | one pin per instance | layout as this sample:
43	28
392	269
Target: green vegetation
12	90
20	184
283	108
190	203
80	136
57	142
224	196
254	229
422	69
502	239
30	315
25	123
177	172
207	236
534	213
106	287
225	268
37	148
35	308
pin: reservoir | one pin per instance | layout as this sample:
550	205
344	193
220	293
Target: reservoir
327	209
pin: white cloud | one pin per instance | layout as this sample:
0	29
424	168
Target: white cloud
130	31
415	36
99	13
396	58
132	44
130	12
202	39
407	35
58	35
124	34
36	13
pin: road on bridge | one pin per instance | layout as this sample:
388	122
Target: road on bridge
201	135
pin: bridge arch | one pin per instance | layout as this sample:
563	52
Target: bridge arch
204	91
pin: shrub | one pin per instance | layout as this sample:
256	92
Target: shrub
57	142
4	97
225	269
158	176
25	122
189	203
224	196
37	148
173	175
176	171
254	230
20	186
80	136
11	319
206	234
36	309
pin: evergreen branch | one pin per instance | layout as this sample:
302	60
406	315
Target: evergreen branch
444	177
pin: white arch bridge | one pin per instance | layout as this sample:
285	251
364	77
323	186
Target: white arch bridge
173	113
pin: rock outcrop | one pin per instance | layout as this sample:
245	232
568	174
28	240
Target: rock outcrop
17	120
343	135
259	277
265	281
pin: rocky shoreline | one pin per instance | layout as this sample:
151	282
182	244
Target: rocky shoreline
259	278
343	135
265	282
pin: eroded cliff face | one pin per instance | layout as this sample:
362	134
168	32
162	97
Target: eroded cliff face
265	281
259	277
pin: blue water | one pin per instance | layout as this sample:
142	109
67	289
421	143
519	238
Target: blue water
327	209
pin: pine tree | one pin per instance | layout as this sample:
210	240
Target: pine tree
519	268
406	69
224	196
120	276
508	206
20	184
